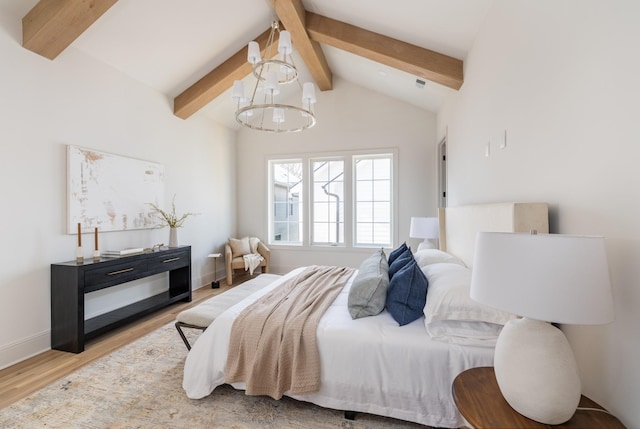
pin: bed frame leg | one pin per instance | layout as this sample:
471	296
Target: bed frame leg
350	415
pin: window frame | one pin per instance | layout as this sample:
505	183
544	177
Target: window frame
312	202
349	197
272	203
355	202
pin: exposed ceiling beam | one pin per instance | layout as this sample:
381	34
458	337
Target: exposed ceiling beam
413	59
292	15
52	25
218	80
308	30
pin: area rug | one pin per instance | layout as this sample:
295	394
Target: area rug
140	386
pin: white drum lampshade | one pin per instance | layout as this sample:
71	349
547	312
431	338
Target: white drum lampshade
543	278
427	228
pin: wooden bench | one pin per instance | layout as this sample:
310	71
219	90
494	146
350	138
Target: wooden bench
201	316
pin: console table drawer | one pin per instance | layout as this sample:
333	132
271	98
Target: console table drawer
169	261
114	274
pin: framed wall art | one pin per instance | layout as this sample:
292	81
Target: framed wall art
111	192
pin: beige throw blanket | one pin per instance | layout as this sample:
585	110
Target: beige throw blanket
252	261
273	341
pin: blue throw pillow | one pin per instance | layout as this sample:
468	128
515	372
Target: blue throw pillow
403	259
397	252
407	294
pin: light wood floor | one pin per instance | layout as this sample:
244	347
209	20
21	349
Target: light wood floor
18	381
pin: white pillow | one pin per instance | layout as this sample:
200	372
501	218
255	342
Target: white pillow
448	301
467	333
434	256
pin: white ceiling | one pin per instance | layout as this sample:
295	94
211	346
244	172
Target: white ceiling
170	44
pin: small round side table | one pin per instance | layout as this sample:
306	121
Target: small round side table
479	400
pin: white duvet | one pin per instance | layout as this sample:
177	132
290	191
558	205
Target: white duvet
369	365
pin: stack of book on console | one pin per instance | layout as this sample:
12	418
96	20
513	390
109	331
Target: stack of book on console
124	252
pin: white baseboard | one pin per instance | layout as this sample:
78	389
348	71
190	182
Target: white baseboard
15	352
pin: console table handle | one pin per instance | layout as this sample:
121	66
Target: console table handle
113	273
170	260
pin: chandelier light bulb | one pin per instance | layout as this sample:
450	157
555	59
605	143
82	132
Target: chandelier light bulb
271	83
309	93
238	91
244	103
284	44
253	55
278	115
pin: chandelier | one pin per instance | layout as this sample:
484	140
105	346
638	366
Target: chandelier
261	111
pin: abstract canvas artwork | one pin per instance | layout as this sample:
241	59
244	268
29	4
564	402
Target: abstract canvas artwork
111	192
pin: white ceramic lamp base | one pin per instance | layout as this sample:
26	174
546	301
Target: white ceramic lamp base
537	371
426	244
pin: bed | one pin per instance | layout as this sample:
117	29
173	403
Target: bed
373	365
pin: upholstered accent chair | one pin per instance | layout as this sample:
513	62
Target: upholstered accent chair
235	250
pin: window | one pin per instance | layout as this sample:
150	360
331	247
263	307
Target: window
328	202
372	177
351	200
286	187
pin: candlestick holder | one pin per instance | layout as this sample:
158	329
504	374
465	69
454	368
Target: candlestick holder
96	252
79	254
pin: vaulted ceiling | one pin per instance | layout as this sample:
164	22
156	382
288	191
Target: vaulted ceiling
193	50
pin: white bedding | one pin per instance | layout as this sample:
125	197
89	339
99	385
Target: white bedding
368	365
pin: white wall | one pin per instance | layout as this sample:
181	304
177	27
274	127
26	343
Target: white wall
349	118
76	100
562	78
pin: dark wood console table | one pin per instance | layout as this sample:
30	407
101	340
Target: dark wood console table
70	281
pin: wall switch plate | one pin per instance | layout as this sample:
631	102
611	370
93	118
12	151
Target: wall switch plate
503	140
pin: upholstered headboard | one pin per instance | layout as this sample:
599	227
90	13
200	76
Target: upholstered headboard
459	225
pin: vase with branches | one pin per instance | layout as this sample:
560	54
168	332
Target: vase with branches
171	219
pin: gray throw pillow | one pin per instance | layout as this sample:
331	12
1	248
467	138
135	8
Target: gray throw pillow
368	294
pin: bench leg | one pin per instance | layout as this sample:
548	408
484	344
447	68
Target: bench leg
180	325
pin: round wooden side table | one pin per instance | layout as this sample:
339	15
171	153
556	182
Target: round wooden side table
478	398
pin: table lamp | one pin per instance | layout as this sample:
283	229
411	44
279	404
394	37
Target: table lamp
426	228
543	278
